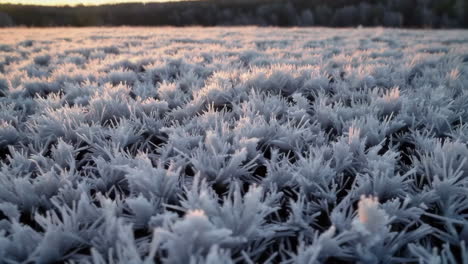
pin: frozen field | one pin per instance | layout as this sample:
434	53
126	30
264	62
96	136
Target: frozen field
233	145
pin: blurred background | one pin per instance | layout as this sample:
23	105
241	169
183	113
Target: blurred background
330	13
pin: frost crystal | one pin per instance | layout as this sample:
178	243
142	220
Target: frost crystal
371	220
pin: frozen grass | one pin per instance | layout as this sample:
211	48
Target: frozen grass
233	145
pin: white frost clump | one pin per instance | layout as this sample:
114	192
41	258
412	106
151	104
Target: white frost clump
8	134
391	101
194	235
371	221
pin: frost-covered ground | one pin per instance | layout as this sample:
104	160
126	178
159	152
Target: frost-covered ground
233	145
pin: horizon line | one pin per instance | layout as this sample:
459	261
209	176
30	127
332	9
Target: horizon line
58	3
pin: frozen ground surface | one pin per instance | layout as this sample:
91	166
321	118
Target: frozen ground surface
233	145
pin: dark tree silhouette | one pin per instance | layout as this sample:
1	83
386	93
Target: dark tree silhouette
339	13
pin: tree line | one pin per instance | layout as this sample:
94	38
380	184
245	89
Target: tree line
338	13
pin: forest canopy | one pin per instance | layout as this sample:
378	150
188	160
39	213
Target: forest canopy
338	13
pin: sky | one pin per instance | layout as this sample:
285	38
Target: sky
76	2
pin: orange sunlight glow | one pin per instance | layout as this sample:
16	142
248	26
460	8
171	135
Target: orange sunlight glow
78	2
